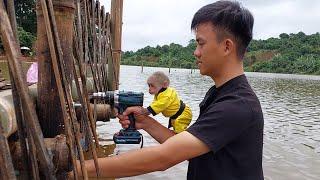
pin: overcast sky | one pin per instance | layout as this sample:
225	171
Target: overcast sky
160	22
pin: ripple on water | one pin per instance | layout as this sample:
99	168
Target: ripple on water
291	107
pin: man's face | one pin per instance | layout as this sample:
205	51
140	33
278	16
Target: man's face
209	53
154	86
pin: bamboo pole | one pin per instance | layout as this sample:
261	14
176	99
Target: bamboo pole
111	74
63	69
94	45
86	40
103	49
48	100
82	93
28	157
6	168
116	31
91	32
29	110
15	95
12	17
85	92
99	44
87	112
53	40
32	156
79	28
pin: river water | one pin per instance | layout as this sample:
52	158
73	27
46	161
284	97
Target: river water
291	107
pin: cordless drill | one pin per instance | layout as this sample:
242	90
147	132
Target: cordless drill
122	100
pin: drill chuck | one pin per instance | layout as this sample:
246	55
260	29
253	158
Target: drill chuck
111	97
120	98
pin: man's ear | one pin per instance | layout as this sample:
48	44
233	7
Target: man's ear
228	46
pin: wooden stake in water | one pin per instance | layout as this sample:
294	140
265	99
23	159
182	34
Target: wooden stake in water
142	66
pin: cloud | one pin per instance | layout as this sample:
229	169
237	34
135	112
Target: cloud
159	22
285	16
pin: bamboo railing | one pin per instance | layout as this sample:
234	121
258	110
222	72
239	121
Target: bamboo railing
76	39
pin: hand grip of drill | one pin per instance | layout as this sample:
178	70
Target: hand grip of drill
132	125
122	100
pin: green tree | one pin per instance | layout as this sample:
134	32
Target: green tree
26	15
25	38
284	36
289	53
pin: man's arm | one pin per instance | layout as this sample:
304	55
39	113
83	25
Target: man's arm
157	130
176	149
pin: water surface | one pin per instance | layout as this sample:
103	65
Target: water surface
291	107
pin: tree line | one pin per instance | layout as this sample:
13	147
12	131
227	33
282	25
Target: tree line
289	53
172	55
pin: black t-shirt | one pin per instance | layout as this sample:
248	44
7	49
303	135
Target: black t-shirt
231	125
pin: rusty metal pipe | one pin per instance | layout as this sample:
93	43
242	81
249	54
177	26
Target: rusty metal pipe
8	117
58	148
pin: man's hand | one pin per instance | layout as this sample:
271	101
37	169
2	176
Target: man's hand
145	122
140	115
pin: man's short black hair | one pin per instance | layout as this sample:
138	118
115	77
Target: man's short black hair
229	18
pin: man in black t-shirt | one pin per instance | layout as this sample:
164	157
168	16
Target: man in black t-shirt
231	120
231	125
225	142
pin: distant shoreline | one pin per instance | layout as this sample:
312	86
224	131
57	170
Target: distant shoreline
315	75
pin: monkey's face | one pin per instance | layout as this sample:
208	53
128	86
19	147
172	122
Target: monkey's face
154	86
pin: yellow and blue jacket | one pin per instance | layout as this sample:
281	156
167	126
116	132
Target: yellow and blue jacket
169	104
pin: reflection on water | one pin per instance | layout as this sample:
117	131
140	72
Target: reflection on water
291	106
